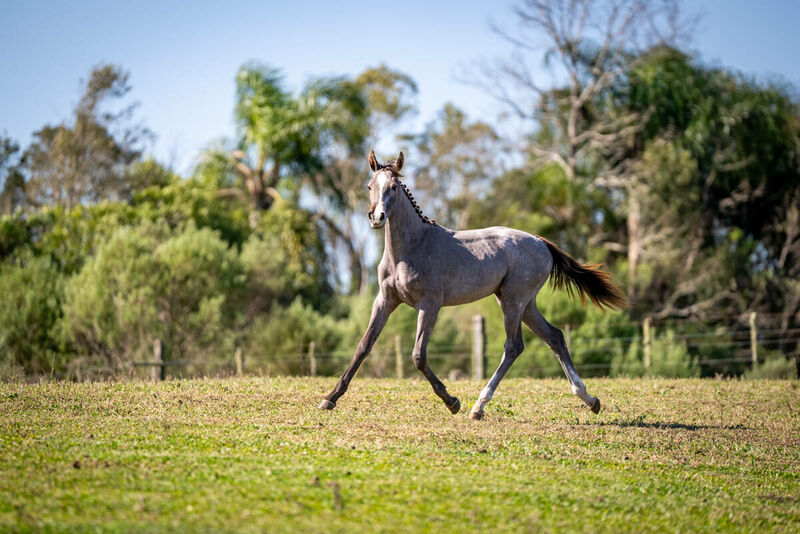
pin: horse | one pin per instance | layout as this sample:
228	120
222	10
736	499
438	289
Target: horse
427	266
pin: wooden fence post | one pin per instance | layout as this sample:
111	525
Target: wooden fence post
312	357
646	342
238	358
158	370
478	347
398	357
753	339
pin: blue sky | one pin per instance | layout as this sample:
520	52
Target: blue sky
183	55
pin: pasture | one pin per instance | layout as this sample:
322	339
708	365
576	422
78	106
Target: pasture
256	455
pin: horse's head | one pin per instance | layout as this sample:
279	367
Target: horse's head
383	189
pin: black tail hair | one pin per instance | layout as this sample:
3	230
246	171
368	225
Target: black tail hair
586	279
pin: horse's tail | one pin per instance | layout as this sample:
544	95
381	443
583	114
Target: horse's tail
586	279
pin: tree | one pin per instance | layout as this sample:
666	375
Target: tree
282	136
720	175
87	160
144	284
595	44
29	313
458	160
12	181
391	97
313	141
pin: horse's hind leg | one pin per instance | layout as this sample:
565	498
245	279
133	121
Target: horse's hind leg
555	340
426	319
512	313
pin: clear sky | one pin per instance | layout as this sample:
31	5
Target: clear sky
182	55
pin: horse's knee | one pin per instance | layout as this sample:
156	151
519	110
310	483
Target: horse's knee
420	360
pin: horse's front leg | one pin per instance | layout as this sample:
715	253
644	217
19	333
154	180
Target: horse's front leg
426	319
381	309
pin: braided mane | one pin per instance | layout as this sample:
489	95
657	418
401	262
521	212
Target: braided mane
425	219
390	165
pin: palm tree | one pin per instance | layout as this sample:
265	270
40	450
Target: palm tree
286	142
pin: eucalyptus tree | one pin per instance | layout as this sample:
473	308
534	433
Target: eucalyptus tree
87	159
459	159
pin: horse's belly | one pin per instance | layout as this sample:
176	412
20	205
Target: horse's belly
469	285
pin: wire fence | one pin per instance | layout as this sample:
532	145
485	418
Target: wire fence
706	348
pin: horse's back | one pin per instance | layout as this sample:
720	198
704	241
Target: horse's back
513	245
477	262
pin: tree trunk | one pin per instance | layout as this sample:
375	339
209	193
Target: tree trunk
634	242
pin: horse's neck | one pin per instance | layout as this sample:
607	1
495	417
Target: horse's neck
404	230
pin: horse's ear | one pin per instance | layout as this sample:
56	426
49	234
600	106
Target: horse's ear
398	163
373	163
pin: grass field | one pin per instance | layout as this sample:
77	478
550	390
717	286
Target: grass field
255	455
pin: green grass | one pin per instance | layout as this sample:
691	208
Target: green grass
255	455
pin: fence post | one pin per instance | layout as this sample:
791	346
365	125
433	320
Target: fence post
158	370
398	357
568	338
478	347
238	359
753	339
312	357
646	341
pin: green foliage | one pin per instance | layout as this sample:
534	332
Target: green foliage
282	132
293	235
87	160
669	357
457	160
722	169
196	201
12	180
693	200
390	93
278	343
772	368
32	294
146	283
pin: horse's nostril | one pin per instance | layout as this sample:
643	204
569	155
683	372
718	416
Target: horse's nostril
383	216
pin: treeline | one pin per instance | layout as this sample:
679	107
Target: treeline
683	179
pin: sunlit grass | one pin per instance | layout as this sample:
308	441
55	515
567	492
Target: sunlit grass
256	455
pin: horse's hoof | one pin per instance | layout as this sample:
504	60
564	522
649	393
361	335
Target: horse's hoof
477	416
596	405
455	407
327	405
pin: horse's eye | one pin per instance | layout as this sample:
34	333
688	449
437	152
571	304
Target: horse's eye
394	188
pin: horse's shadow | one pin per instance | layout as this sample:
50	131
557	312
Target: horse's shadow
639	423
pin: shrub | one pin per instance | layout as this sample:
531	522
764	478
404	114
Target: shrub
278	343
773	368
30	307
669	358
146	283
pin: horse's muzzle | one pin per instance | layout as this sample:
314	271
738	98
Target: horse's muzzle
378	222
